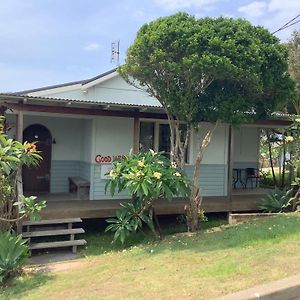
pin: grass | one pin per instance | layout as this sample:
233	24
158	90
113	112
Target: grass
213	262
99	243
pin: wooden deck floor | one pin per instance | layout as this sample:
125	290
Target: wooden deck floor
62	205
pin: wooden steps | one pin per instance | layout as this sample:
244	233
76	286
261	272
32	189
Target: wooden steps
47	245
53	221
50	229
52	232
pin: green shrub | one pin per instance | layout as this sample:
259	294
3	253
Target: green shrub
13	253
277	201
146	177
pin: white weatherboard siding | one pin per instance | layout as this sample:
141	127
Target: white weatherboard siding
78	141
86	140
66	132
213	171
112	136
246	144
213	179
118	90
217	150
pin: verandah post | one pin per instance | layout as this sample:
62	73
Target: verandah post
19	137
230	169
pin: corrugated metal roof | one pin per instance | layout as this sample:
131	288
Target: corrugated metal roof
7	96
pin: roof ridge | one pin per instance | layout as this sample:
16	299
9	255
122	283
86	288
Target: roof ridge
100	76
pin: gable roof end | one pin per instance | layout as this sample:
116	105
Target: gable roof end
90	82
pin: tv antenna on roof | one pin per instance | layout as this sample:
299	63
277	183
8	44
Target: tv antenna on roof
115	52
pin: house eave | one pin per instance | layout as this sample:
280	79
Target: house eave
104	108
74	102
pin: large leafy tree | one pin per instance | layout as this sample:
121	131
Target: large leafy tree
212	70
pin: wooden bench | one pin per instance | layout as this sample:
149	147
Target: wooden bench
81	186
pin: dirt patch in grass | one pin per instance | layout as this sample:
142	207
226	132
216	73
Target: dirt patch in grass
68	266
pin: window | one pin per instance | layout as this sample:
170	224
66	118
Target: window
164	139
156	136
146	136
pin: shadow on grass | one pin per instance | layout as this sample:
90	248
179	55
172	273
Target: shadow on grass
99	242
19	286
215	235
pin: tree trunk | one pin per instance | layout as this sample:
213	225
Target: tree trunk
271	158
19	189
178	151
193	209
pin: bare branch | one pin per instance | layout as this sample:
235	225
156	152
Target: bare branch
12	220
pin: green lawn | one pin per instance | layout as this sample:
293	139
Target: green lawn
213	262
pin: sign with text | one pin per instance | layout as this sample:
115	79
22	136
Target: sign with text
106	159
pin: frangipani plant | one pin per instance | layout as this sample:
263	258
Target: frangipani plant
14	155
146	177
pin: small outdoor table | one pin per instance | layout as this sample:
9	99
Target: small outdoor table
238	177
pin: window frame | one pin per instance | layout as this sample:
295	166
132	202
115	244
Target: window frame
157	132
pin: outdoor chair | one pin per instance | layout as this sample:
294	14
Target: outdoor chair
252	174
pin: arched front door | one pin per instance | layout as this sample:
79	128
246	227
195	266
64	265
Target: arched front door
37	179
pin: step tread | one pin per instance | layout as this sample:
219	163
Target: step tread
53	221
52	232
57	244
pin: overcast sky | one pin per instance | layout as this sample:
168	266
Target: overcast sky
45	42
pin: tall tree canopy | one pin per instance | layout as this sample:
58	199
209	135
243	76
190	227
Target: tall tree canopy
208	70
